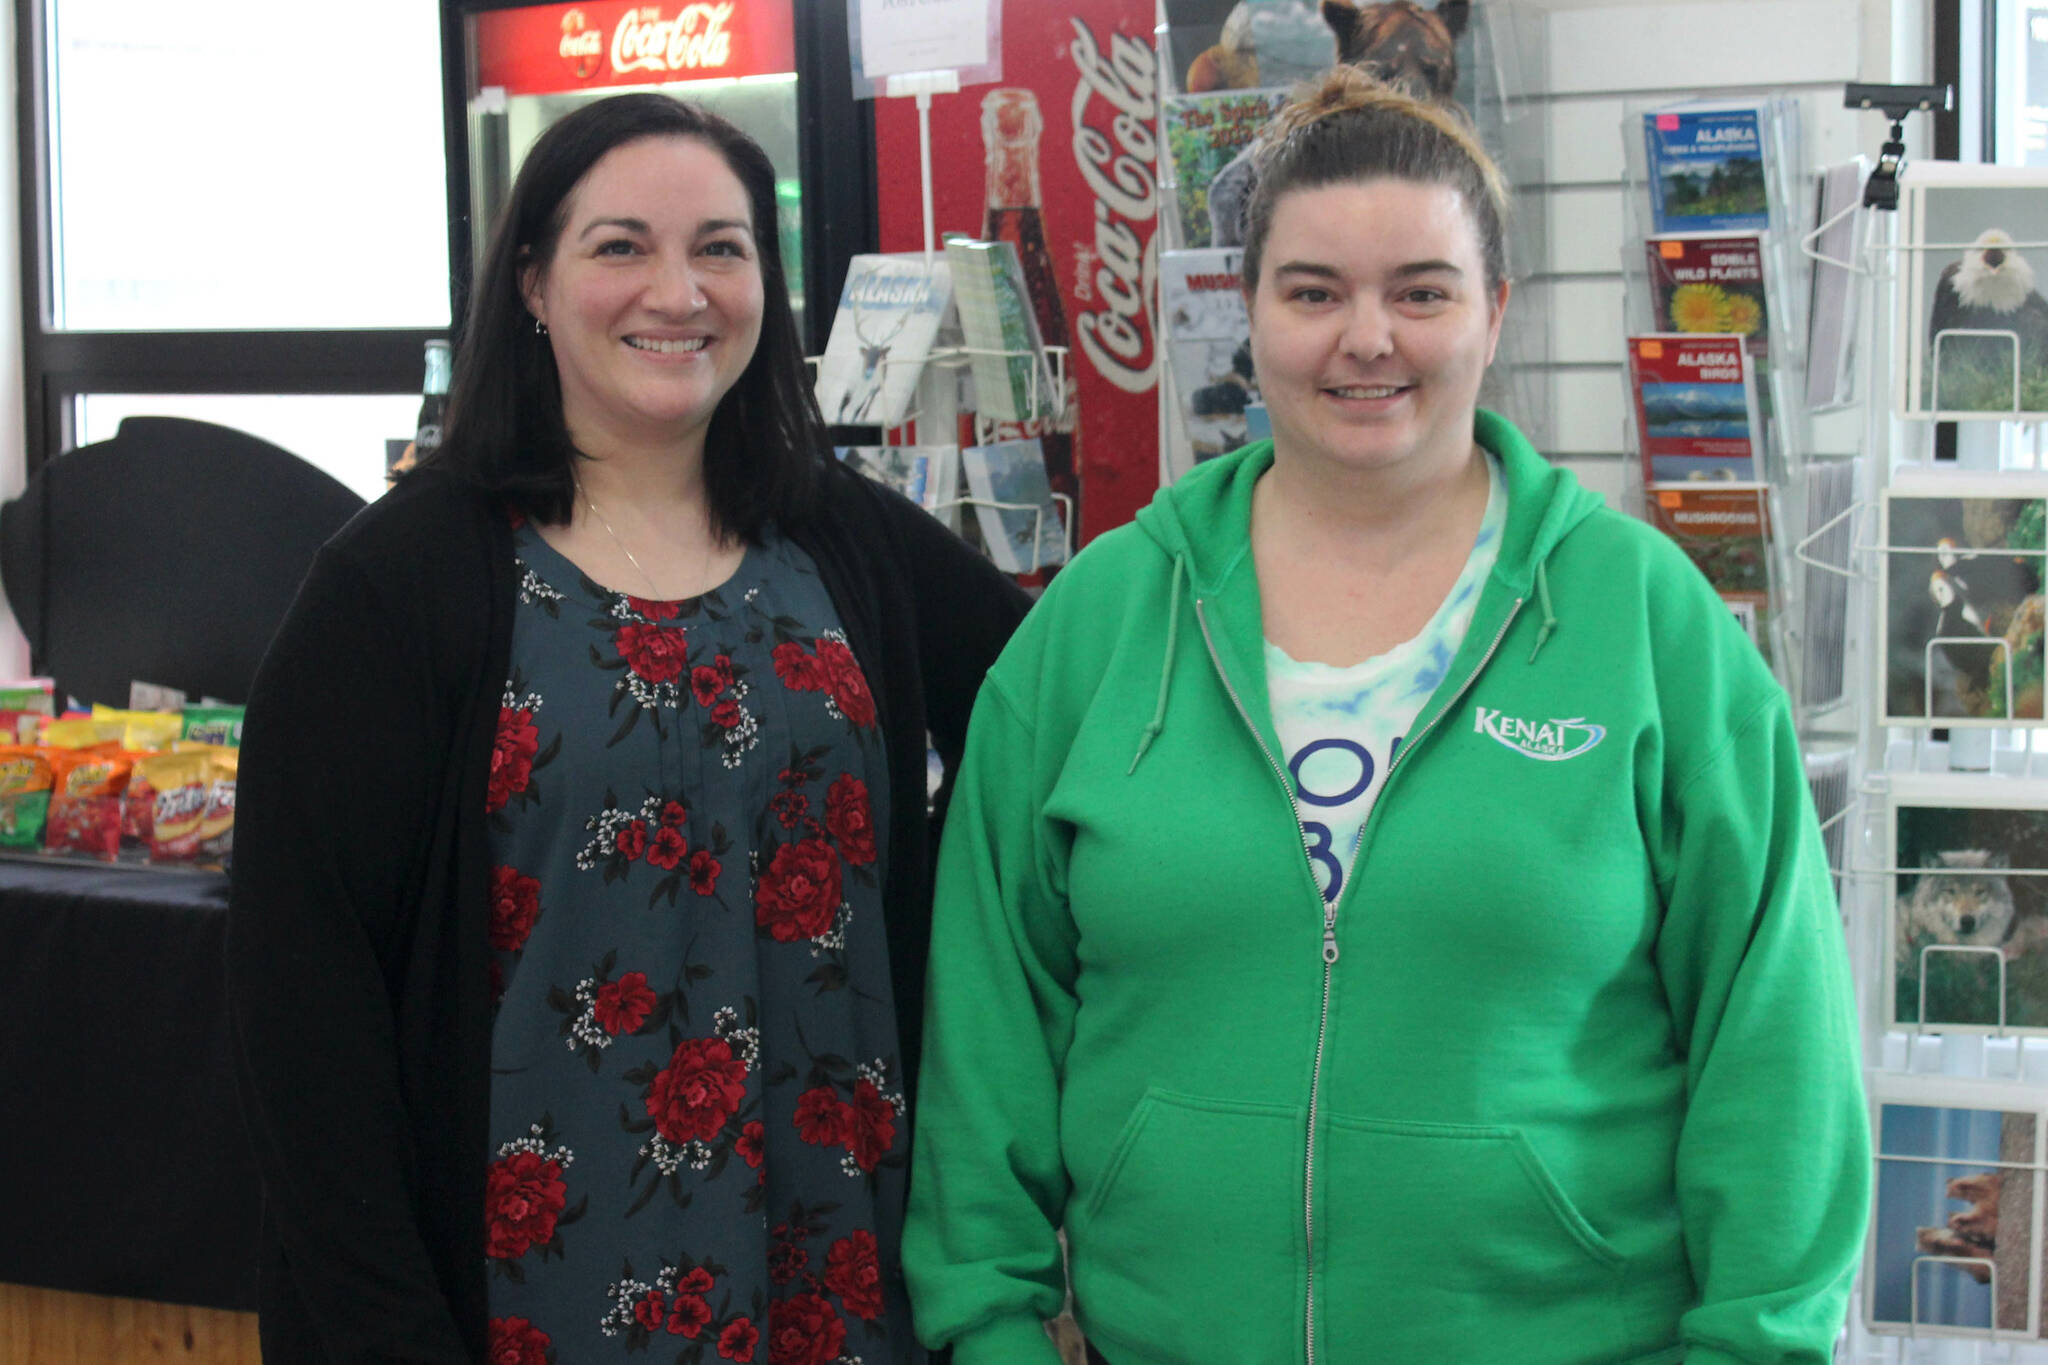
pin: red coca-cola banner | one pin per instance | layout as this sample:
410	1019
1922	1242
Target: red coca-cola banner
1091	67
549	49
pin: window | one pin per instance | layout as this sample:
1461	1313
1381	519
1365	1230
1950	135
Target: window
233	198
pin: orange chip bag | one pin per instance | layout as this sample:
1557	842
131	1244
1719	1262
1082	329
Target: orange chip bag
180	783
24	796
85	802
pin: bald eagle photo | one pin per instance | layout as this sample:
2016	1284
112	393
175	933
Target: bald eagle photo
1991	289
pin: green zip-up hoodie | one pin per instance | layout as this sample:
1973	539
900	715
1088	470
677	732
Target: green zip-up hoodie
1571	1076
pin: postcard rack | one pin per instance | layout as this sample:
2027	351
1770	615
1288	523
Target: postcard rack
1943	553
938	402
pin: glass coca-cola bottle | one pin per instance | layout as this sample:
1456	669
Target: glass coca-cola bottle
1010	129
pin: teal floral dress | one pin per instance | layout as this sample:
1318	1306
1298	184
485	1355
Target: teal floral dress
697	1109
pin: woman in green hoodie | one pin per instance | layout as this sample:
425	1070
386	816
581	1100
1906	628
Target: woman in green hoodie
1382	917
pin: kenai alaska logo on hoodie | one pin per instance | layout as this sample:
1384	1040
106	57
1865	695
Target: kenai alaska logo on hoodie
1552	741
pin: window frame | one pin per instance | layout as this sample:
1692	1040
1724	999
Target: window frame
58	366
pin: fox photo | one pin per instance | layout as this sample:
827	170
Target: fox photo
1962	627
1969	911
1953	1236
1976	329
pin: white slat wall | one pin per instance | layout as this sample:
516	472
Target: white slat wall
1602	60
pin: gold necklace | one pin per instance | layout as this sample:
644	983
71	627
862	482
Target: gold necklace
631	558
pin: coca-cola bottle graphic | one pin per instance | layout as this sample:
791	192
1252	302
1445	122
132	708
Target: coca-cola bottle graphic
1010	129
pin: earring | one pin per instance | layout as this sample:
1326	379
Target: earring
540	329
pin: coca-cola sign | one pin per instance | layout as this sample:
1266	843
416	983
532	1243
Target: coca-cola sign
1094	60
1118	329
551	49
696	39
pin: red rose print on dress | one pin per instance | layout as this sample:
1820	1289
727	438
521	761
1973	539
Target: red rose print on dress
789	808
512	756
704	873
526	1198
702	1086
523	1196
676	1303
798	896
797	668
515	905
738	1340
822	1118
653	610
849	820
632	840
752	1144
786	1261
668	849
853	1271
705	684
804	1330
845	684
688	1315
871	1125
673	815
654	653
623	1005
515	1341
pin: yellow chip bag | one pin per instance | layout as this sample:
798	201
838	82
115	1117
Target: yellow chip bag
180	783
142	729
76	732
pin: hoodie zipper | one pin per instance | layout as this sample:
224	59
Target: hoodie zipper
1329	909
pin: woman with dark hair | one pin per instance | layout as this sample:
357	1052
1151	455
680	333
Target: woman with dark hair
579	913
1383	918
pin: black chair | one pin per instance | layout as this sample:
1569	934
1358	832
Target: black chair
167	554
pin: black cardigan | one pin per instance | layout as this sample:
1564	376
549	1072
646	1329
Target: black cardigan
357	939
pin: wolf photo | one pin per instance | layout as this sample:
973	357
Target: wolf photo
1969	912
1976	331
1962	637
1953	1233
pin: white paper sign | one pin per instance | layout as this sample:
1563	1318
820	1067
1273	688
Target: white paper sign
922	35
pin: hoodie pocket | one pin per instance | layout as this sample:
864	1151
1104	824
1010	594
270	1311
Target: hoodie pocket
1191	1244
1462	1227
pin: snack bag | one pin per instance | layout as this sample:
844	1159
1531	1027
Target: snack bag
21	727
138	809
78	732
213	724
85	802
142	730
24	796
29	694
217	824
180	783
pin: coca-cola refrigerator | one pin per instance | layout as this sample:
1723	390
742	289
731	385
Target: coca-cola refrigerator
777	68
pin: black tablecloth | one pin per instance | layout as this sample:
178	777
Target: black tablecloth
126	1165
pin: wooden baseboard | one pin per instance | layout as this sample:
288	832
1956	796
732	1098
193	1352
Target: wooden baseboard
48	1327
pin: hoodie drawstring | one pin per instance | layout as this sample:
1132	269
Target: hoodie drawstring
1158	721
1549	617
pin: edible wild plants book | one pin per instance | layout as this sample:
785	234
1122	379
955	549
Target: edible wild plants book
1013	382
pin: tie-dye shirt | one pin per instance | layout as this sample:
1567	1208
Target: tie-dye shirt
1341	727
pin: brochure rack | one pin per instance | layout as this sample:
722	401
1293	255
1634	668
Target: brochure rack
1201	179
944	386
1945	877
